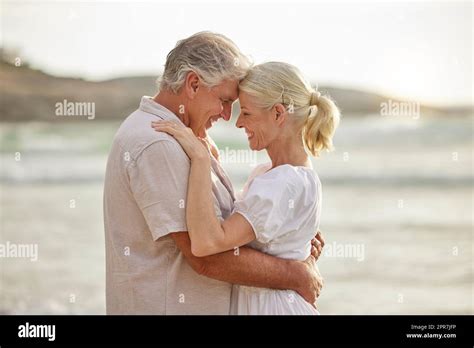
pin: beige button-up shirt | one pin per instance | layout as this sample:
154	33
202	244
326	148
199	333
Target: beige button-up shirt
144	200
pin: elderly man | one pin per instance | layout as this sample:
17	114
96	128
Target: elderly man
150	267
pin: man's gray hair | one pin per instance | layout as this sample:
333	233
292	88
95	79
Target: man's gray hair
213	57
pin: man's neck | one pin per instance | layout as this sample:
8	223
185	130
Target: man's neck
174	103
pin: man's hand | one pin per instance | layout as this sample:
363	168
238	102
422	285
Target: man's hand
317	245
312	282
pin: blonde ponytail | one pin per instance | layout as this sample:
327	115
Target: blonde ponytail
320	125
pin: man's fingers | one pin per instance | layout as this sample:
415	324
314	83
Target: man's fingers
320	238
320	288
317	244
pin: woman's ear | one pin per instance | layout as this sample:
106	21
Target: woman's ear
191	84
280	114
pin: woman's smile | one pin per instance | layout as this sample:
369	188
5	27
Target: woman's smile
249	133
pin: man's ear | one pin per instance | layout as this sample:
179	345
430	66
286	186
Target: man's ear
191	84
280	114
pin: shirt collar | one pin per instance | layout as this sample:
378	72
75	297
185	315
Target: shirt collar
150	106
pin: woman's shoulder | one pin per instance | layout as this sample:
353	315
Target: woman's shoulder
295	179
260	169
290	173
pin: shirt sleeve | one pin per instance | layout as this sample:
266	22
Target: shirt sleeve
267	206
159	183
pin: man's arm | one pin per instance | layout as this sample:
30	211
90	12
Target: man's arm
253	268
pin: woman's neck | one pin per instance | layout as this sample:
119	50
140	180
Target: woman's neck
288	151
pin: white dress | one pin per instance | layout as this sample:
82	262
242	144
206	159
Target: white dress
283	205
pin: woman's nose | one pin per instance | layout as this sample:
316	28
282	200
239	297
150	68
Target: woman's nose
239	124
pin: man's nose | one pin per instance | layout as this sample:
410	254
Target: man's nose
226	112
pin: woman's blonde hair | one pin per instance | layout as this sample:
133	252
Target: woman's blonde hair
317	116
212	56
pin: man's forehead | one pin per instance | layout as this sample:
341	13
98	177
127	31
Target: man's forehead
230	89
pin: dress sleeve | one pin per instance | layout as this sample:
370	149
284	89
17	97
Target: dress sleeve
267	205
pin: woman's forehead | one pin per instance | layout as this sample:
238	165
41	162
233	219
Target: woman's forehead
245	98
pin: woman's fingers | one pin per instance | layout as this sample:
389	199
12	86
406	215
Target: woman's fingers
170	127
163	128
191	144
172	123
163	124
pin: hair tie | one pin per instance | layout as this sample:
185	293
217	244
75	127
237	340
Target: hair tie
314	98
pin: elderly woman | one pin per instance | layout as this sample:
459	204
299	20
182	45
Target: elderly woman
280	205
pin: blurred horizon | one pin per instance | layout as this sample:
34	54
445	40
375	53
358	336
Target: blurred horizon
412	50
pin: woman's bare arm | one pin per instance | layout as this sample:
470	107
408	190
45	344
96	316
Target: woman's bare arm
208	235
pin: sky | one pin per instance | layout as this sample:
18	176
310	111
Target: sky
417	50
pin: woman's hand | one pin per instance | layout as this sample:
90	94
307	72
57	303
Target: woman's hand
212	147
194	147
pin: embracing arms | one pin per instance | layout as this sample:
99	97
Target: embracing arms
239	265
208	235
246	266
